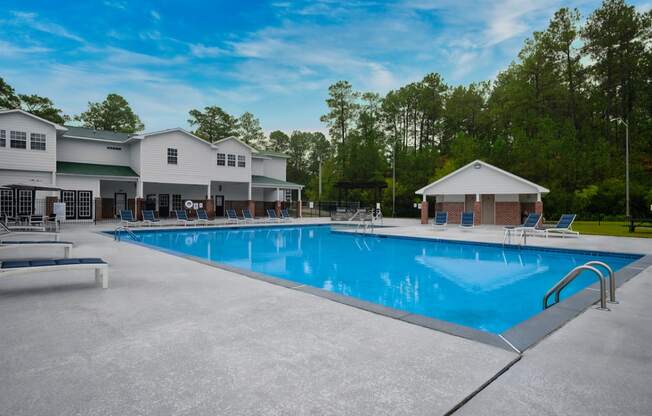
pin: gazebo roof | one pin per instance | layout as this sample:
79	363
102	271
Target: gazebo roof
480	177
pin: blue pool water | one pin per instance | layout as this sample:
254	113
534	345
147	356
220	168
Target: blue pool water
486	287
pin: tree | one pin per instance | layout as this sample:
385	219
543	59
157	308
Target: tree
250	132
343	106
8	97
42	107
112	114
278	141
213	123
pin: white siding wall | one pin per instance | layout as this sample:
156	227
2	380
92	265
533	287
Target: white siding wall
108	189
134	156
79	183
507	198
274	167
89	151
27	159
258	167
483	181
195	192
228	173
26	177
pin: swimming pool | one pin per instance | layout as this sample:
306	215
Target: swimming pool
487	287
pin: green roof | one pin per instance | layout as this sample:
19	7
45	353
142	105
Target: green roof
270	153
86	133
92	169
266	180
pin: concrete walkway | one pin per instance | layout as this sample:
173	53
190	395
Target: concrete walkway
176	337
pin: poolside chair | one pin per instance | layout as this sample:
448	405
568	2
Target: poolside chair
10	245
182	217
232	216
127	218
466	220
247	217
285	215
271	215
440	221
202	217
13	267
563	226
7	232
21	227
149	218
530	225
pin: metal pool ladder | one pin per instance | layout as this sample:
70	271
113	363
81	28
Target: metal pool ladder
119	229
591	266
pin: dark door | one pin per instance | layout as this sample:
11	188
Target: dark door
219	205
150	202
164	205
68	198
120	202
84	205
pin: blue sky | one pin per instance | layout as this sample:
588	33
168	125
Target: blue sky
275	59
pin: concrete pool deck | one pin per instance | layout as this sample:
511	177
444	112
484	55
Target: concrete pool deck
174	336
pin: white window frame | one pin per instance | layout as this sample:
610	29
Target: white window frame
6	202
242	161
173	154
177	202
37	139
221	159
3	138
230	160
14	137
25	202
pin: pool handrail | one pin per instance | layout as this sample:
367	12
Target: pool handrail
566	280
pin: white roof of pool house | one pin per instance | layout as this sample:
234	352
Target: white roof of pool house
482	178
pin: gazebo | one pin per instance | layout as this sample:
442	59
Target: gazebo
493	194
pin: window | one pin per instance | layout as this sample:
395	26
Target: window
6	203
37	141
231	160
172	156
241	161
25	202
3	138
221	157
176	202
18	139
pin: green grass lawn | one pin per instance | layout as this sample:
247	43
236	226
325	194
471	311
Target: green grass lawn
613	228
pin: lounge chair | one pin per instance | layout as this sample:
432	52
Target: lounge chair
271	215
149	218
8	232
9	245
22	227
127	218
182	217
285	215
247	217
202	217
563	226
232	216
466	220
441	220
12	267
530	225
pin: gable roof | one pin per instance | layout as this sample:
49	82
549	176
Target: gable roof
253	149
75	132
19	111
177	129
270	153
473	179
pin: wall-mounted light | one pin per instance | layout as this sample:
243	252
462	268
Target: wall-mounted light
477	165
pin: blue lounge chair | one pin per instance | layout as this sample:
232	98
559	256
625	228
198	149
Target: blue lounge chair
13	267
12	245
441	220
127	218
530	225
182	217
466	220
247	217
232	216
563	226
149	218
285	215
202	217
271	215
7	232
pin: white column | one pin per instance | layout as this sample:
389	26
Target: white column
54	178
249	192
208	190
539	197
423	196
477	197
299	194
139	188
278	194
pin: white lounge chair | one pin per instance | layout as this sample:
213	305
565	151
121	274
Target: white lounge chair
12	245
6	232
182	217
563	227
13	267
530	225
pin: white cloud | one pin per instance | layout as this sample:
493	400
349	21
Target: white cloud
37	23
116	4
200	50
10	50
155	15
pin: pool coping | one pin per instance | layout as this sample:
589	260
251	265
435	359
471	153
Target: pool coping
517	339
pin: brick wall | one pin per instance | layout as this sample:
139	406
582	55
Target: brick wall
508	213
454	210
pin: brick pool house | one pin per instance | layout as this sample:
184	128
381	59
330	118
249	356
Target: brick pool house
493	194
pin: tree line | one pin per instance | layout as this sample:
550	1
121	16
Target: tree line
549	117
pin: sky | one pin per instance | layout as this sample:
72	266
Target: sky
275	59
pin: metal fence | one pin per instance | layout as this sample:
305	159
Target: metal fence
325	208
